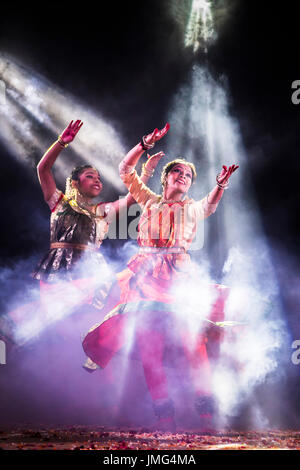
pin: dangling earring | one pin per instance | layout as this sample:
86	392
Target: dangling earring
71	192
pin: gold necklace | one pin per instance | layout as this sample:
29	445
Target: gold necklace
88	207
83	204
85	210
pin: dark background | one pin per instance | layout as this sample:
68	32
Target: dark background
127	60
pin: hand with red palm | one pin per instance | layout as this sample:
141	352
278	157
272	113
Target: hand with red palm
70	131
153	160
156	135
150	140
225	174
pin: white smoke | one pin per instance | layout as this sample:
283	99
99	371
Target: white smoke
30	314
204	132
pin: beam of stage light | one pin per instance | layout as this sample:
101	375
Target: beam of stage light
199	29
35	108
204	132
200	21
2	94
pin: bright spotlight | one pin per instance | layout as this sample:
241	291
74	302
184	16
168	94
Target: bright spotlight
200	25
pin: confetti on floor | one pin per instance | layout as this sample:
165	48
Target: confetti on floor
101	438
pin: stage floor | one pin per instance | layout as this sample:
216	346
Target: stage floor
103	438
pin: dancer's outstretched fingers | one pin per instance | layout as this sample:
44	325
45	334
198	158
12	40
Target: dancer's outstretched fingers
75	125
164	130
150	138
232	169
78	128
70	131
154	159
157	134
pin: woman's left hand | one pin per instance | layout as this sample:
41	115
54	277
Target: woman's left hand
157	134
225	174
153	160
70	132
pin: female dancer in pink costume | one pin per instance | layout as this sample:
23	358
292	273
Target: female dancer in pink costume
149	303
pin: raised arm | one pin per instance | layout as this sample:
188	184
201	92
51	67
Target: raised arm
213	198
132	158
146	143
44	166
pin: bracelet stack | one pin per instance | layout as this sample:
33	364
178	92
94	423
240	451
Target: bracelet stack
61	142
147	172
221	185
145	145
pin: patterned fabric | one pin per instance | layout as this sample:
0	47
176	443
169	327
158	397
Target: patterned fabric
71	224
69	277
149	282
165	223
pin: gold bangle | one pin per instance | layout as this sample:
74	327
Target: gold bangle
61	142
147	172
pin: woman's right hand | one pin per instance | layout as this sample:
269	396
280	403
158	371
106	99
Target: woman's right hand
156	135
153	160
70	132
